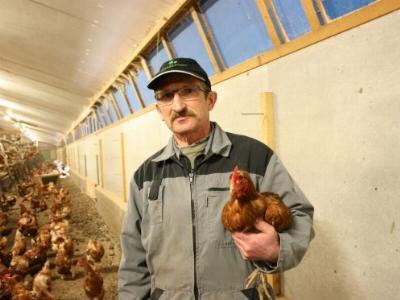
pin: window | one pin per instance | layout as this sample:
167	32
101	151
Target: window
70	138
132	98
123	106
100	121
180	35
156	58
91	127
111	110
94	123
103	116
238	29
292	17
338	8
147	94
77	133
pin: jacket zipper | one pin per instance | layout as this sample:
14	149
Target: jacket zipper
191	181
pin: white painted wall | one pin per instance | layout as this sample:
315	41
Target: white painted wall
336	108
144	136
112	163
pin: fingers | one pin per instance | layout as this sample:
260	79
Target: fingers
263	226
240	244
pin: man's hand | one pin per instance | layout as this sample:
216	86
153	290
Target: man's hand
263	245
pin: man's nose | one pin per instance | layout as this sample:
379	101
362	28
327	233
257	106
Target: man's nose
177	103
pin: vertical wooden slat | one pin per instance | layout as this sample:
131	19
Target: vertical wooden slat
311	14
114	103
274	280
321	8
271	7
125	96
268	137
123	167
101	163
136	90
262	7
167	48
106	111
268	122
145	67
206	36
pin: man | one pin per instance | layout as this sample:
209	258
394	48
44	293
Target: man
174	245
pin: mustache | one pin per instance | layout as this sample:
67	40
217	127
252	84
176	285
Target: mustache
185	113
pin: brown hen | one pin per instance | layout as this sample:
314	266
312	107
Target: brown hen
241	212
94	251
246	205
93	284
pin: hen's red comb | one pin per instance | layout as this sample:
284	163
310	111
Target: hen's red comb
235	174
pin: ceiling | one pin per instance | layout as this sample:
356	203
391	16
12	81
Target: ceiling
58	56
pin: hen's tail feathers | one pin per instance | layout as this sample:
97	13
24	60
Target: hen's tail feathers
258	279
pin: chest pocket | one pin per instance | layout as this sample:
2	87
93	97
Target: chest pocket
216	199
156	199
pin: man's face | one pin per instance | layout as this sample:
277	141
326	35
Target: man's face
185	116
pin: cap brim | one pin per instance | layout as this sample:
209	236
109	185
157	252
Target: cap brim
154	81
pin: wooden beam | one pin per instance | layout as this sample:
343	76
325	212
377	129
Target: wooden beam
268	120
321	9
124	95
311	14
268	137
145	67
262	7
114	103
272	9
136	90
167	47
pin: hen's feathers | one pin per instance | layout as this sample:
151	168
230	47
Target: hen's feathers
241	212
277	214
246	205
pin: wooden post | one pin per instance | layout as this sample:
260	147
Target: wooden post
268	121
268	137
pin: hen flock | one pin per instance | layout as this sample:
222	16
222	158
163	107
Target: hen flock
30	252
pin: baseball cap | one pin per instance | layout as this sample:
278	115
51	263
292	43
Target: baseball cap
180	65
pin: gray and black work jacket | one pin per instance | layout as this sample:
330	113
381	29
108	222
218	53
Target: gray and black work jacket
174	245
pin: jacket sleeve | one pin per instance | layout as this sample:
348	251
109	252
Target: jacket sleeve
294	241
133	275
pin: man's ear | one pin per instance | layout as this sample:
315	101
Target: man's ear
158	109
212	99
159	112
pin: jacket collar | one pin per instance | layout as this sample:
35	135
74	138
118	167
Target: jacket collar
218	143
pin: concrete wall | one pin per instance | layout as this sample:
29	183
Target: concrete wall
336	109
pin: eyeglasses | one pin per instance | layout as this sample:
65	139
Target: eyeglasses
185	93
